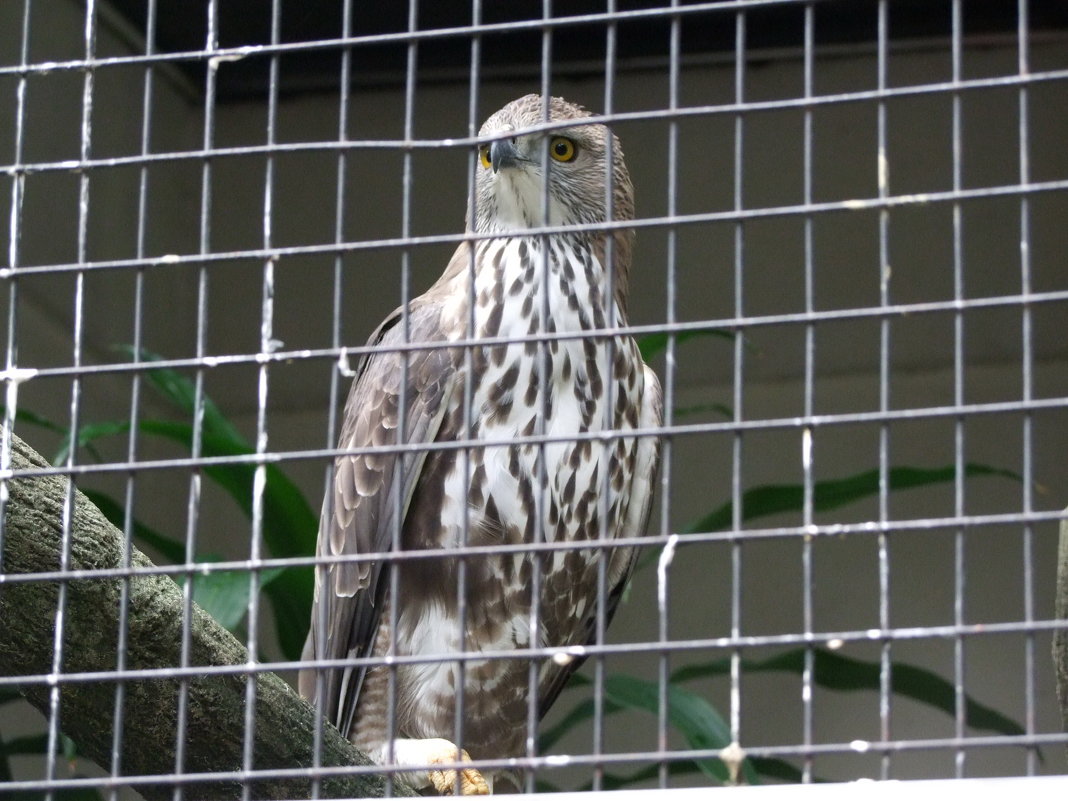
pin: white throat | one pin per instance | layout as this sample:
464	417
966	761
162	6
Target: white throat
521	202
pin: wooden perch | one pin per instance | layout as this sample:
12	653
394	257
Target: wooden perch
215	723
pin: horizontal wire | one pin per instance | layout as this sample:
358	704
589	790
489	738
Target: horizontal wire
683	112
220	55
333	249
730	324
550	761
839	639
727	427
812	530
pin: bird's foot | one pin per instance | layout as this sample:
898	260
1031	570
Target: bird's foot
437	751
444	781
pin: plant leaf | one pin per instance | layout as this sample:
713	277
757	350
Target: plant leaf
26	416
827	495
5	767
582	711
765	766
616	781
29	744
289	526
224	594
652	344
781	769
86	434
722	409
690	714
180	391
837	672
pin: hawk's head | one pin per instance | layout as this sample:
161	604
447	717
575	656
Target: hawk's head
515	168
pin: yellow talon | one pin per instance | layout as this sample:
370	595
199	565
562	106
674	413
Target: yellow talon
444	781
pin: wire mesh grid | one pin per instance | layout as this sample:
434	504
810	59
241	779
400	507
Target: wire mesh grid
849	275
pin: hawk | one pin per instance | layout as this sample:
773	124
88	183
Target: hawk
557	465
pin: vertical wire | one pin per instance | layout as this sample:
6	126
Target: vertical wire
118	715
14	257
539	536
321	623
397	498
471	331
59	634
806	434
605	553
267	345
883	179
1027	360
738	394
958	400
670	315
193	506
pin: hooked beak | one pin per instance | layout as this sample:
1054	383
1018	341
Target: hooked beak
503	154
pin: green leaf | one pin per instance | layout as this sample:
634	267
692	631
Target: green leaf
827	495
765	766
86	434
582	711
833	671
615	781
68	747
652	344
224	594
722	409
837	672
5	767
181	392
289	525
780	769
26	416
699	723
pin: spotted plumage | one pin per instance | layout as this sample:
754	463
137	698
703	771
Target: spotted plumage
575	486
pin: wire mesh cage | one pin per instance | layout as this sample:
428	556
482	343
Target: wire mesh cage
849	276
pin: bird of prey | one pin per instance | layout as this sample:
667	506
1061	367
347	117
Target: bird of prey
546	406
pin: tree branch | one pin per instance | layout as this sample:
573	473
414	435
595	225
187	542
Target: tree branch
32	539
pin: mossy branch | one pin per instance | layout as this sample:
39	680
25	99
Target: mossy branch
32	539
1060	636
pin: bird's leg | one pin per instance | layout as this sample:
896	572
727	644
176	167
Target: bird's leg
430	752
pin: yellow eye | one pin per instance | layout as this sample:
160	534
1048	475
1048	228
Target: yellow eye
484	156
562	149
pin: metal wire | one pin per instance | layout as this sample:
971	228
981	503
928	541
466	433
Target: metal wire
341	171
1026	390
958	430
676	638
59	629
883	266
738	382
121	653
